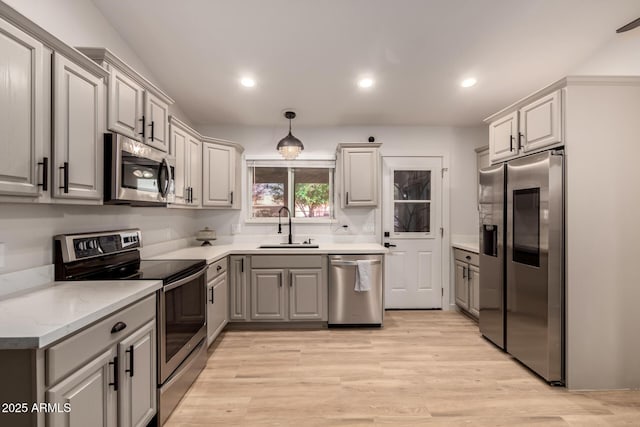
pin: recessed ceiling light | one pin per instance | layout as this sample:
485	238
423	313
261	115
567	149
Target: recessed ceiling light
247	82
365	82
468	82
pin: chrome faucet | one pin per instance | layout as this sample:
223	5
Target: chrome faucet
280	224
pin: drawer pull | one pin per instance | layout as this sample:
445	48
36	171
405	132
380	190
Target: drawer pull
468	257
118	327
218	268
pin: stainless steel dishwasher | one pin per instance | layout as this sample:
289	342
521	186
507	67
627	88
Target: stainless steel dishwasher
347	306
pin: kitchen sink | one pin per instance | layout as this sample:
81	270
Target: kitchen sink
289	246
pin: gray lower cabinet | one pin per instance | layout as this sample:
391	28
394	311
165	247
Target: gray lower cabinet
238	296
91	399
467	281
288	288
305	294
217	299
268	294
137	389
107	377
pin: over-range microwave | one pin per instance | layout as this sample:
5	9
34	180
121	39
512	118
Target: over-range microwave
135	173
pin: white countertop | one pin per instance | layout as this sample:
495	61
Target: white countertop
467	246
39	318
215	252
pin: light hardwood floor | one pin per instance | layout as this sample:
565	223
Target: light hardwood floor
422	368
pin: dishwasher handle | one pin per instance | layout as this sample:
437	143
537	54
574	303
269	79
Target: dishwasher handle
352	263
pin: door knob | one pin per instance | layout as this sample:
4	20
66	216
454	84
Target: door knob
389	245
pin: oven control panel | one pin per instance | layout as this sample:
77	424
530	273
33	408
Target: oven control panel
80	246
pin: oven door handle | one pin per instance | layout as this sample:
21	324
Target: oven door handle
185	280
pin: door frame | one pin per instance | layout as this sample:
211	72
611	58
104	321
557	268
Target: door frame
445	247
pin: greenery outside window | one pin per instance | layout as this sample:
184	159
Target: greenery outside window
306	189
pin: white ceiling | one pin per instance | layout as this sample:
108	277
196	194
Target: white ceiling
308	54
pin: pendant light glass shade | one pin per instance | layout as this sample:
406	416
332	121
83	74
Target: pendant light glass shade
290	146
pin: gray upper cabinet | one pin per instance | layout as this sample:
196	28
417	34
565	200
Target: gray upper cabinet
22	145
533	124
503	134
125	105
156	113
358	174
78	128
220	174
541	122
186	148
136	107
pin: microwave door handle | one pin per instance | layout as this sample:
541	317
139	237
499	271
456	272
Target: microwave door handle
164	186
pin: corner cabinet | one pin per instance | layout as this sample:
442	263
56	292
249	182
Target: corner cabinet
186	148
467	281
522	129
221	174
136	107
358	174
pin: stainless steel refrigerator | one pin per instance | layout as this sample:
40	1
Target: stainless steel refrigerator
522	260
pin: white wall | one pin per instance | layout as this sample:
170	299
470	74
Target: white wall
455	144
602	235
618	57
28	230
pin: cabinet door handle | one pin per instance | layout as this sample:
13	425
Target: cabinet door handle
45	173
152	128
232	197
143	127
212	297
520	136
347	195
65	177
511	139
115	373
242	265
281	280
291	279
464	272
131	360
118	327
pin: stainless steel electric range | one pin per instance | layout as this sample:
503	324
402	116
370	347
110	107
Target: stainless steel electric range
181	303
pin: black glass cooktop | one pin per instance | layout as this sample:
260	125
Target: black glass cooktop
166	270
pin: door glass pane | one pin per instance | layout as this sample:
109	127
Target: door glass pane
270	191
526	226
311	192
412	185
412	217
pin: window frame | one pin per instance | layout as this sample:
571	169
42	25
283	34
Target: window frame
290	166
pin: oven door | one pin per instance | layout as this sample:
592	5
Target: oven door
136	173
181	321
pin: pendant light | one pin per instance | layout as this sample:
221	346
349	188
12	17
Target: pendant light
290	146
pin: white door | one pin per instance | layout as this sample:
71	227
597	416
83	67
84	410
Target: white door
411	214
